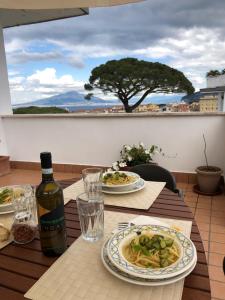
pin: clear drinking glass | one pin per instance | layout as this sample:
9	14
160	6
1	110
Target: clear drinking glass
24	223
91	215
92	178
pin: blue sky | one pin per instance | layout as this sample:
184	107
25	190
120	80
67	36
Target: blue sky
51	58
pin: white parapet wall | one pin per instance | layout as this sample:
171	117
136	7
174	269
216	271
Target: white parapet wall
97	139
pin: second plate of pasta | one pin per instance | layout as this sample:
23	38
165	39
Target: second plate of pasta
119	179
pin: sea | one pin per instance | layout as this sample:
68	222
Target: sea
74	108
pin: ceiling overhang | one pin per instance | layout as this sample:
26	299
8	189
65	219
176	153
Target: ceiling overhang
57	4
24	12
16	17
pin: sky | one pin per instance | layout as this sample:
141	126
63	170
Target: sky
55	57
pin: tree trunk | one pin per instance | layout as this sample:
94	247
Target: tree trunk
127	107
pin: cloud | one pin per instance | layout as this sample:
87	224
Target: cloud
19	52
187	35
41	84
128	27
20	57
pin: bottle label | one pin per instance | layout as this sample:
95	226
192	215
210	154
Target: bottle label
47	171
52	220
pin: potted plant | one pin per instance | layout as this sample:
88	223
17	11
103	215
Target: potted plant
208	177
4	164
135	155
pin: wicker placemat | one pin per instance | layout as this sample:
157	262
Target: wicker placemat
141	200
79	273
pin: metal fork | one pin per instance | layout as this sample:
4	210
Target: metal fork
123	225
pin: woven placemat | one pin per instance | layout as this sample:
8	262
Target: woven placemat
79	273
141	200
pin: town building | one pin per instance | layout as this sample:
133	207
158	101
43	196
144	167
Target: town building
178	107
194	106
208	103
147	108
216	84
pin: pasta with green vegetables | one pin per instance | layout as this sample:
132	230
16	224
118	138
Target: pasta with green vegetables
149	250
118	178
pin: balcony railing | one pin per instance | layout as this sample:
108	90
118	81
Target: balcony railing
97	139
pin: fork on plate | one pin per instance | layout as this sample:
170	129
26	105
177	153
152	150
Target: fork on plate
123	225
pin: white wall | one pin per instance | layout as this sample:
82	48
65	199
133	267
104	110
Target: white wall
98	140
215	81
3	145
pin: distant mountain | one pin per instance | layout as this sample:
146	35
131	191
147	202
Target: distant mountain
67	99
73	101
195	97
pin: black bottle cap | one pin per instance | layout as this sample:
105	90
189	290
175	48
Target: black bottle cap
46	160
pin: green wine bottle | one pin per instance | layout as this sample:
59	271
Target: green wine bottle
50	209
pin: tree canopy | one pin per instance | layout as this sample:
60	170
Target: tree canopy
129	77
213	73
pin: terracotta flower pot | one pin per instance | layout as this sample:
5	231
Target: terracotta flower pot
208	178
4	165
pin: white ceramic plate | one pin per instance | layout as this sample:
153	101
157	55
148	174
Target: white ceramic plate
137	280
138	186
183	264
9	211
116	186
8	208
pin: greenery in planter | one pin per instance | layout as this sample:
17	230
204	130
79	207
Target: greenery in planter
208	177
135	155
207	167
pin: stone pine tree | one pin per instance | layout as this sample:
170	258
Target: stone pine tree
129	77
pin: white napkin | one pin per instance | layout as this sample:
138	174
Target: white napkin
145	220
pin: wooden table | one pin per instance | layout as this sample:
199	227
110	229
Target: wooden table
22	265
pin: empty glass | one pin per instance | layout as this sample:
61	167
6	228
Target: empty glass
92	178
91	216
24	224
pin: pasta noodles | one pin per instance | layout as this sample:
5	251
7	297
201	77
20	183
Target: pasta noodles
6	195
151	251
118	178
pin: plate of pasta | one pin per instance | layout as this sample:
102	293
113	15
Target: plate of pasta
138	280
138	186
151	251
119	179
7	194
